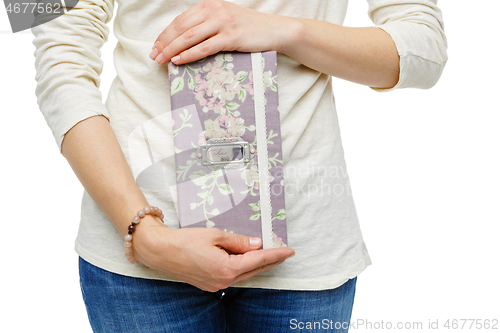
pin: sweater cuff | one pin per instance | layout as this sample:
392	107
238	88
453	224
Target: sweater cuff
416	69
70	120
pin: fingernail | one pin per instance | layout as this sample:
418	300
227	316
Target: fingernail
291	255
153	54
159	58
175	59
156	43
254	241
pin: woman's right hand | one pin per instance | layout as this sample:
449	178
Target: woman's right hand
210	259
196	256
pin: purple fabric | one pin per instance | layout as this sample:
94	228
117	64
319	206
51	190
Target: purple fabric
213	99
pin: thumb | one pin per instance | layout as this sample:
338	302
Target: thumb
237	243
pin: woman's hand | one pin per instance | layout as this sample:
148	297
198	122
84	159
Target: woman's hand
213	26
364	55
209	259
196	256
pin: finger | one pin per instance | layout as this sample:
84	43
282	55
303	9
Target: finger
251	260
256	271
200	282
189	39
237	243
186	20
202	50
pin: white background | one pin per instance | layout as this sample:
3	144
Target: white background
424	168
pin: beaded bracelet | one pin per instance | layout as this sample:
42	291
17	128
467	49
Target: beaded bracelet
131	228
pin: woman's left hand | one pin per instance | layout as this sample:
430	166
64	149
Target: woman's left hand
213	26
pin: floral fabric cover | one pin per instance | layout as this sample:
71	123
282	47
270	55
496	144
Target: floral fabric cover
214	99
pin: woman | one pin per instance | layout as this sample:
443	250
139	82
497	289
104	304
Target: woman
229	286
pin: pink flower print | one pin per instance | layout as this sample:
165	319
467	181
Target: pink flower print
237	87
234	126
268	80
219	107
277	241
201	139
212	69
211	102
213	130
216	85
222	85
224	120
249	86
225	77
221	58
173	69
227	94
251	176
199	91
214	89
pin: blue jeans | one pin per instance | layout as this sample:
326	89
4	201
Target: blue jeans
117	303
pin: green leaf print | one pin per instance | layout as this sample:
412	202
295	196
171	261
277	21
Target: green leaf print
231	106
225	189
255	207
280	214
242	76
242	95
210	199
255	216
177	85
191	83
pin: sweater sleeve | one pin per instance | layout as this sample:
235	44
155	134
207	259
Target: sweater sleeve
68	65
416	26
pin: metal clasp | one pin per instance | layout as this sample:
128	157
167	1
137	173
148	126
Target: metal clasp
225	153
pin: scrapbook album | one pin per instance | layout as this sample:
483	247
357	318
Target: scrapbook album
227	139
